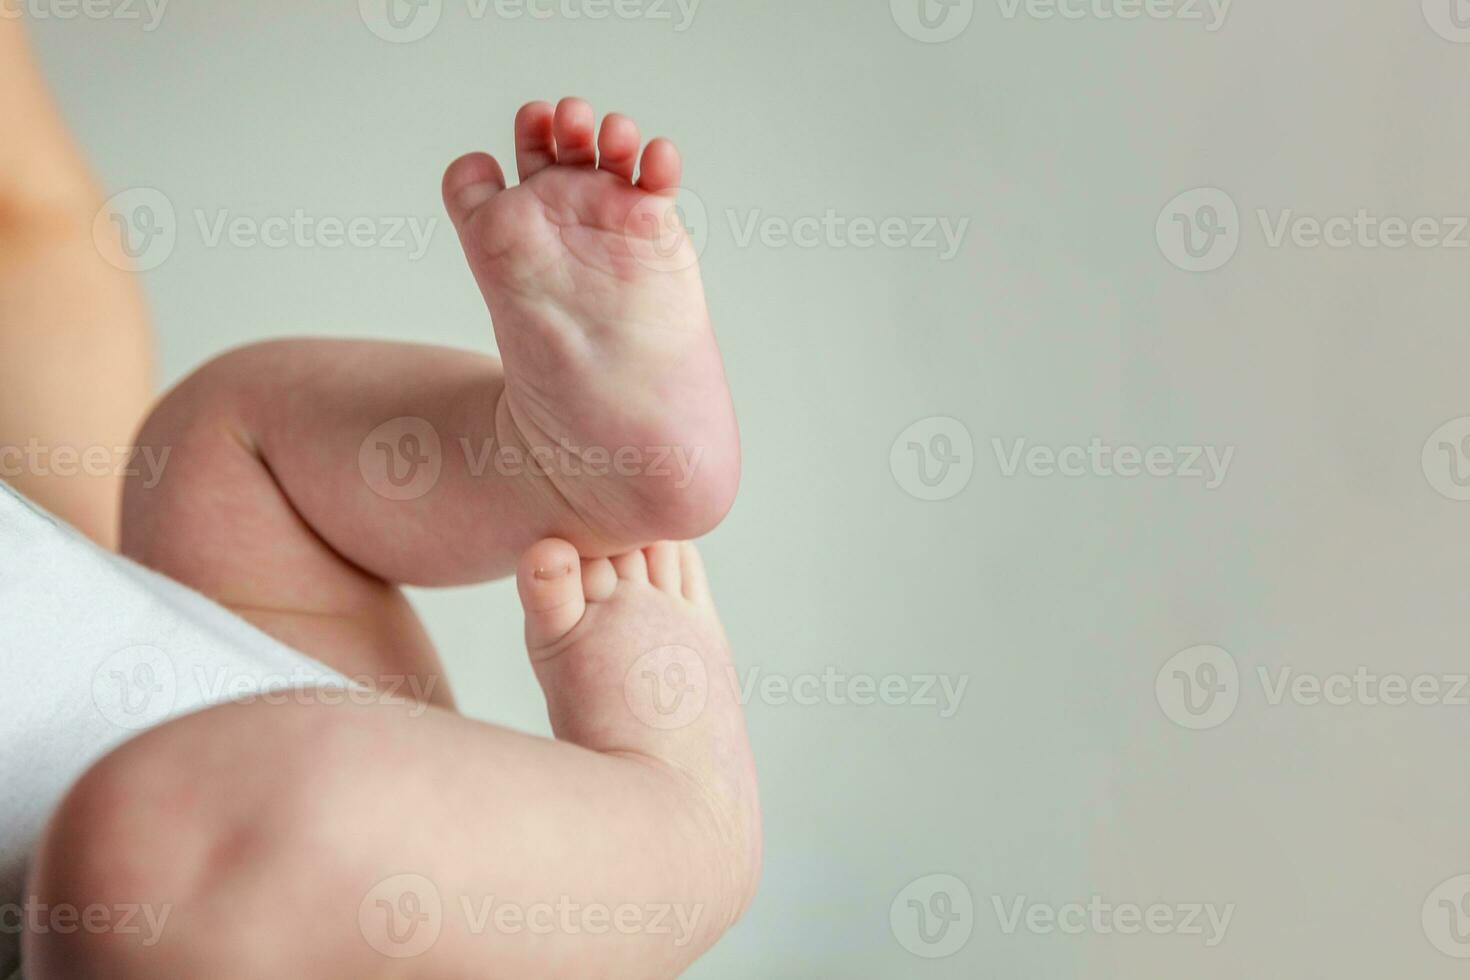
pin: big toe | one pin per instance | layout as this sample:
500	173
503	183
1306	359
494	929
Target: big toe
469	182
550	583
662	167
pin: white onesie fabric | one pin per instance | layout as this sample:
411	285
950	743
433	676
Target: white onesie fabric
94	650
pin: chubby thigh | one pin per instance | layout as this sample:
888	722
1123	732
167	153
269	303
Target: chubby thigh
95	652
378	839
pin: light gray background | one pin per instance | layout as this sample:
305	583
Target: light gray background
1059	599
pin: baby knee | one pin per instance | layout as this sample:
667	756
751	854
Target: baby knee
164	860
109	872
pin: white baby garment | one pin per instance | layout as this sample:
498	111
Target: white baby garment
94	650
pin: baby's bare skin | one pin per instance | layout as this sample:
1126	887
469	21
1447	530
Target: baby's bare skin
600	314
265	506
266	829
74	341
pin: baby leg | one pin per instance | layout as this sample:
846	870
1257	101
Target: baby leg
267	482
299	482
368	840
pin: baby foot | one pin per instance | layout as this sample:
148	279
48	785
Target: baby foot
634	662
599	312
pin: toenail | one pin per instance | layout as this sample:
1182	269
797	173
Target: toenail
551	574
475	195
